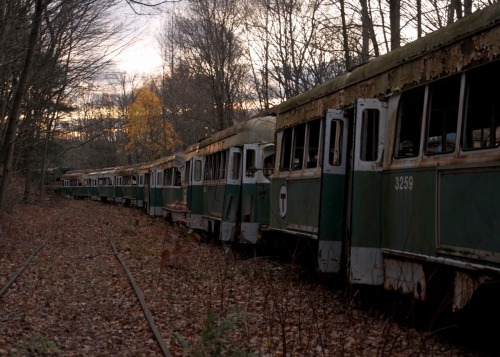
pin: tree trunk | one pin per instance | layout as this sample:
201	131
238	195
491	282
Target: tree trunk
345	38
10	137
454	8
395	14
368	33
467	7
419	18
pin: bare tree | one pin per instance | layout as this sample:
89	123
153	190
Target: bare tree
138	5
208	39
297	44
368	32
419	18
65	53
345	35
395	15
186	95
15	20
258	42
19	92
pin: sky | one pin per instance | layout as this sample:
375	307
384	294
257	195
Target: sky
142	54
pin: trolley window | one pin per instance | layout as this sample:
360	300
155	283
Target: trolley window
159	178
105	181
286	149
482	111
209	168
187	171
298	146
235	172
312	144
177	177
222	165
335	150
197	170
442	122
250	163
215	166
369	134
268	164
167	177
410	113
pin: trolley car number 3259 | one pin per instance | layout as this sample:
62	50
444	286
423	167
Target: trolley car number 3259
403	183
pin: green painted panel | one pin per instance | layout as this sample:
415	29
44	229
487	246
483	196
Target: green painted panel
333	214
140	193
156	196
408	210
213	199
305	200
255	202
194	199
77	191
299	205
66	190
366	209
303	204
118	191
276	221
231	203
172	195
106	191
469	209
130	191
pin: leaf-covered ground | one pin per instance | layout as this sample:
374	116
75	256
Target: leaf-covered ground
74	298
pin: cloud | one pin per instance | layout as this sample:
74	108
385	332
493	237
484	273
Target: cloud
141	52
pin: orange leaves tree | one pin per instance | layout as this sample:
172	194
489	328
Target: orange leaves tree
150	134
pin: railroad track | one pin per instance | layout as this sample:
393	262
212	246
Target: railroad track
140	297
63	275
74	295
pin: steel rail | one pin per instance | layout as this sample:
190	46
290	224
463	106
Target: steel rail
22	268
140	296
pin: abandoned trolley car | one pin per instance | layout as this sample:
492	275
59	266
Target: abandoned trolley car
391	172
393	169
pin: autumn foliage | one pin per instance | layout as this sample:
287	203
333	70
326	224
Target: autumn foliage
150	134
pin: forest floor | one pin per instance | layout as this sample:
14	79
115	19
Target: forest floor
74	298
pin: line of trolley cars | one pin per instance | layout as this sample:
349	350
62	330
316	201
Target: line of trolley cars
391	172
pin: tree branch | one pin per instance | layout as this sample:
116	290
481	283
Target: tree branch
147	3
